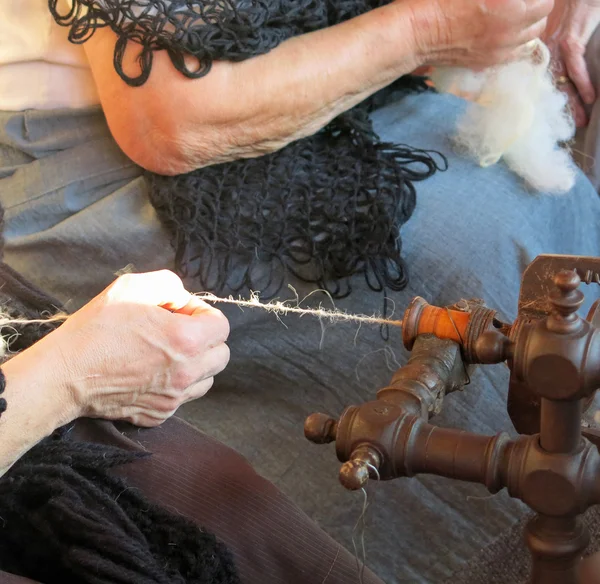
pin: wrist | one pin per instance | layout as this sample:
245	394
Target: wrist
426	20
399	27
40	382
34	408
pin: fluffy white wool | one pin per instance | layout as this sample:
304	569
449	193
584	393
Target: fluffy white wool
517	114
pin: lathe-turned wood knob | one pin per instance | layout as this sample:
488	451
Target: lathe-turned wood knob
354	474
493	347
362	465
320	428
566	299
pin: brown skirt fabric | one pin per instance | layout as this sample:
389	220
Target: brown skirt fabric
272	541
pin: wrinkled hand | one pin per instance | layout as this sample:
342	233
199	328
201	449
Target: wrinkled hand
138	350
570	27
477	33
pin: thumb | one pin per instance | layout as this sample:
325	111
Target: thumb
162	288
195	306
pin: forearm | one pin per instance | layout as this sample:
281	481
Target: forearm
173	124
36	406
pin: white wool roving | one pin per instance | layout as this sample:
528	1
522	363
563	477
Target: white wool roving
518	115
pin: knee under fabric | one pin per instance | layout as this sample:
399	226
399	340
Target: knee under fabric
517	114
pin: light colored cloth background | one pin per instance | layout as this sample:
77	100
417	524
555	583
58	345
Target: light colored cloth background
39	67
77	212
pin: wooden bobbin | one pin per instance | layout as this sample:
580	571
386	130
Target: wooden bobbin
422	318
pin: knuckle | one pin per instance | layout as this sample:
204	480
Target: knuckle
223	325
181	380
572	45
170	404
164	409
191	337
220	328
224	356
205	386
199	389
165	413
169	277
147	419
136	419
185	340
169	414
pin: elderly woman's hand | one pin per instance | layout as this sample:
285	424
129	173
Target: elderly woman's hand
570	28
137	351
478	33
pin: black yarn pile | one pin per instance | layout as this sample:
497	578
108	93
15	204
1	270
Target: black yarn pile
322	209
67	519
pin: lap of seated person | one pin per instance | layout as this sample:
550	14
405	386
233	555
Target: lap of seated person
472	233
